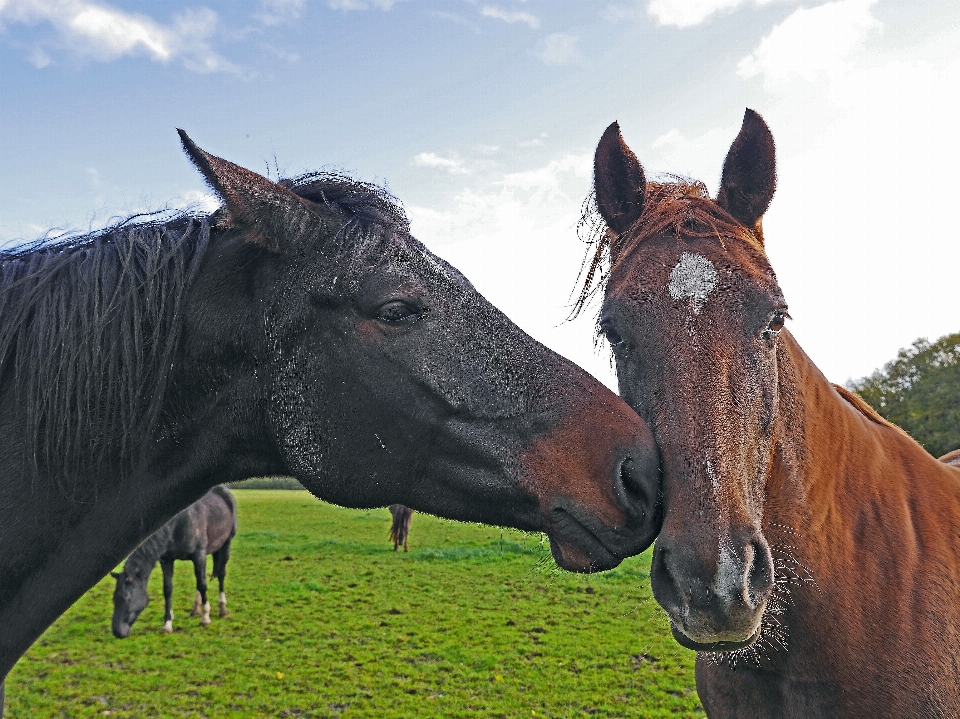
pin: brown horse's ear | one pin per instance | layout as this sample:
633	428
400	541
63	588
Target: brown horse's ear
618	180
749	173
277	217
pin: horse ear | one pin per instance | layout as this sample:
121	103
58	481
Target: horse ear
277	216
618	180
749	173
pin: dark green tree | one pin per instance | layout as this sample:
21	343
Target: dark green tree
920	392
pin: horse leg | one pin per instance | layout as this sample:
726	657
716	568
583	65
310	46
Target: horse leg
200	572
167	567
220	558
197	605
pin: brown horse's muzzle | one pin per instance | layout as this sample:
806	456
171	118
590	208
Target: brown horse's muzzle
596	476
715	596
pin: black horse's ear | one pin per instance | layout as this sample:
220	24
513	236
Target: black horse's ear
276	216
618	180
749	173
115	575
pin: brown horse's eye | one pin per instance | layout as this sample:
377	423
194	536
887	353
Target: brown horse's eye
613	337
776	324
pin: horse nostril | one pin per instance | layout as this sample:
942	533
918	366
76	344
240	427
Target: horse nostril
760	578
630	487
663	583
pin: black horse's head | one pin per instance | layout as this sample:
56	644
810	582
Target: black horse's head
129	600
380	375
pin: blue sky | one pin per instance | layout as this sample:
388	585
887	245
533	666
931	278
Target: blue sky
482	118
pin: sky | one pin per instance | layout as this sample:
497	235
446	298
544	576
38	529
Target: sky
482	118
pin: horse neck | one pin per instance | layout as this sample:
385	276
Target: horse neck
146	556
833	459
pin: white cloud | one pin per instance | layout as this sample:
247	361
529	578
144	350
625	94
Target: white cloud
275	12
534	142
510	16
107	33
687	13
432	159
699	157
348	5
38	58
196	200
515	239
559	49
860	231
811	42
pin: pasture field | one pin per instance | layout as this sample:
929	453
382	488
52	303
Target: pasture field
327	621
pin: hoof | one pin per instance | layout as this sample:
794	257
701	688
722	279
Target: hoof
168	627
224	612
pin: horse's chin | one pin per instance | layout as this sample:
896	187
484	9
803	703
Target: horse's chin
121	632
584	555
725	645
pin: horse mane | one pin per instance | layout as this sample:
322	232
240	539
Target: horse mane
865	409
146	556
88	328
89	325
678	204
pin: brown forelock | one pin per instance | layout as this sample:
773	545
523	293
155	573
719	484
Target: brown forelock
681	206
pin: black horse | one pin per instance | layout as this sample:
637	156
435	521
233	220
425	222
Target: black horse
205	527
299	330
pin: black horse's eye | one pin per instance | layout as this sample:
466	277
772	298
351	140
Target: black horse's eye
776	323
613	337
399	312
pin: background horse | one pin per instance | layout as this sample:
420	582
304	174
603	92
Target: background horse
299	330
205	527
400	527
810	550
952	458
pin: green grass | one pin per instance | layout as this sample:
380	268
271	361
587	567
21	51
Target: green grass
327	621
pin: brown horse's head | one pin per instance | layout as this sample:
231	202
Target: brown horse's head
693	313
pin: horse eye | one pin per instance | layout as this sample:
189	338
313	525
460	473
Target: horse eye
613	337
398	312
776	324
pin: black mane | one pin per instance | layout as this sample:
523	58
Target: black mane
89	324
88	328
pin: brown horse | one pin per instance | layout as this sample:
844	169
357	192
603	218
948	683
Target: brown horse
810	550
400	527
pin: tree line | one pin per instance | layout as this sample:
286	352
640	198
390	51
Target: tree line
920	392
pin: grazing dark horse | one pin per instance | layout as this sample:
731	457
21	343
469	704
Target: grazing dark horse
400	527
810	550
299	330
205	527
